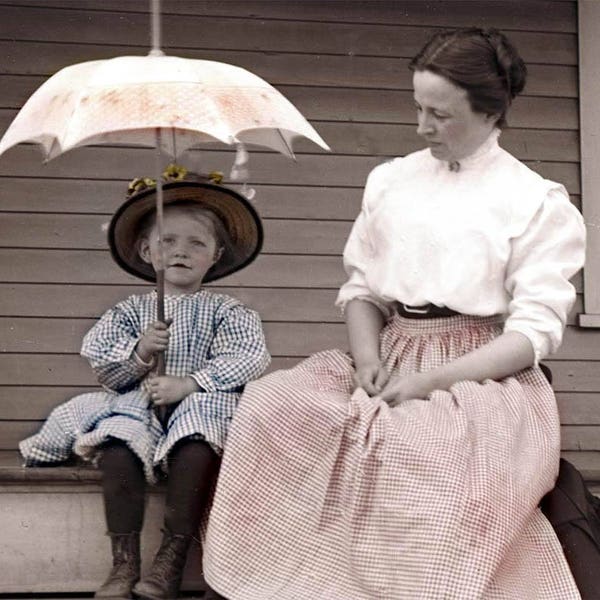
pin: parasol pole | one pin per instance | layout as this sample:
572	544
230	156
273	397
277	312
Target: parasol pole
161	411
160	271
155	12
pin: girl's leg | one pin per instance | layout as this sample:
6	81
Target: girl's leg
123	487
193	467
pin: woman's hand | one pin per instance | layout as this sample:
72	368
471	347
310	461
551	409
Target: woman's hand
508	353
410	387
371	377
155	339
168	389
364	322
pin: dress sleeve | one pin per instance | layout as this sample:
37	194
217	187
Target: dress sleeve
109	348
359	250
543	259
238	352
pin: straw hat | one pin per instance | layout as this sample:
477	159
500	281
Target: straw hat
240	219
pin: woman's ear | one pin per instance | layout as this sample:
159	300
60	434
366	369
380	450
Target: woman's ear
144	250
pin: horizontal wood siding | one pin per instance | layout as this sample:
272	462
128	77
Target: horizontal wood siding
344	64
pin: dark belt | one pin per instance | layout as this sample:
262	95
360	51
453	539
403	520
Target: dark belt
427	311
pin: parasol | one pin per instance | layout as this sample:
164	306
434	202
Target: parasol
167	102
125	99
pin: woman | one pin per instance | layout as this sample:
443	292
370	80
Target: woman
414	468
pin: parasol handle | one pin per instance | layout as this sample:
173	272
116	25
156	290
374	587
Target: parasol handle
162	412
160	315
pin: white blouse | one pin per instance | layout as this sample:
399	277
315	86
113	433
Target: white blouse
492	237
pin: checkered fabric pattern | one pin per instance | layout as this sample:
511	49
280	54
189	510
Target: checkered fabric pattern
214	338
327	494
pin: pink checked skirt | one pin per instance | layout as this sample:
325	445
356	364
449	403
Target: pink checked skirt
327	494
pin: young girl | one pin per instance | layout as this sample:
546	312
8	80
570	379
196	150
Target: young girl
213	345
414	467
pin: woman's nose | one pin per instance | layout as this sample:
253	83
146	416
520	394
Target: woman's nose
424	125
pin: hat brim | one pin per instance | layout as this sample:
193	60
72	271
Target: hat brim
239	218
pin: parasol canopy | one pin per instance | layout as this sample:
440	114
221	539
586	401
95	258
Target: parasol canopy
123	100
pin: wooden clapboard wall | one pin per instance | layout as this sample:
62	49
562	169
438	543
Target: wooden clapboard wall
344	64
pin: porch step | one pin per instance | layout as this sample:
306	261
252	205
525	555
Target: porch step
53	532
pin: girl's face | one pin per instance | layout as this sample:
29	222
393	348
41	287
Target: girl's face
189	246
445	118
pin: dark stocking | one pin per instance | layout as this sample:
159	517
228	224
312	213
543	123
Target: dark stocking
193	466
123	487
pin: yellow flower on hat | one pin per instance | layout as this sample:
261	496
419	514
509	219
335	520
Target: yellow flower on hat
171	174
216	177
138	184
174	172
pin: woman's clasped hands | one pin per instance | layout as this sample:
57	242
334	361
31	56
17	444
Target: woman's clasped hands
377	383
163	389
416	386
371	377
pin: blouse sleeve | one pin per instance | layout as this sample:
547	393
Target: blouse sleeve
543	259
109	348
359	249
238	352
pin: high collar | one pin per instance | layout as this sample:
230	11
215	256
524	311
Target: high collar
489	145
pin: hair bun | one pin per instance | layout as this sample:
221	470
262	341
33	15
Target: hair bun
510	64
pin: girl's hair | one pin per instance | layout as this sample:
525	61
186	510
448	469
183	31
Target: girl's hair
483	62
194	210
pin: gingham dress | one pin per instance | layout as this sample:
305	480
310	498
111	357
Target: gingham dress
215	339
327	494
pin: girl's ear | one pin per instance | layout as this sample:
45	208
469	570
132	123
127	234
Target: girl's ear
218	253
144	250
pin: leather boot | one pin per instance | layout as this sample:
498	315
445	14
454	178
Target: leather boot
126	566
164	579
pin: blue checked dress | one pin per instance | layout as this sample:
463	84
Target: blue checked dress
215	339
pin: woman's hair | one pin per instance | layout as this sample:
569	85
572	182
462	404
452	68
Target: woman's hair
195	210
483	62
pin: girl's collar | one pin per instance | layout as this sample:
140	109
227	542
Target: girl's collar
177	297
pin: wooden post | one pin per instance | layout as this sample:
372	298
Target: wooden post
589	108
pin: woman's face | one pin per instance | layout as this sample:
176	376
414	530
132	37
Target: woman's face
445	118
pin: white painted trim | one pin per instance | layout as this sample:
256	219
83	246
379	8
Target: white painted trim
589	111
